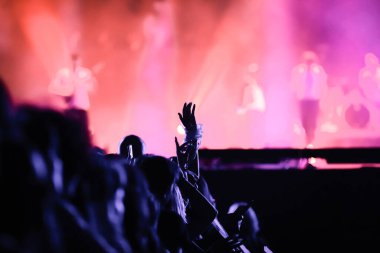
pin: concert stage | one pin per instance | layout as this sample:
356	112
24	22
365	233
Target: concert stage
149	57
282	158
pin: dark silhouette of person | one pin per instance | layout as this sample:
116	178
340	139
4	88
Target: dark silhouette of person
132	146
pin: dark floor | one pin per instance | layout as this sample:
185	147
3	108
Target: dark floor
307	210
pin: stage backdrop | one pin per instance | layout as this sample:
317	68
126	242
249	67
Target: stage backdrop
149	57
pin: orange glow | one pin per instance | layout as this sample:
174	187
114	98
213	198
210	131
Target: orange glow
150	58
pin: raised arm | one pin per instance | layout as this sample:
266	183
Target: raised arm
187	153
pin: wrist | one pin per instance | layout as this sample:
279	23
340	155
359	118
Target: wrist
194	134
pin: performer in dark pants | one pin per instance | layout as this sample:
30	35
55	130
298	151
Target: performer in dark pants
309	81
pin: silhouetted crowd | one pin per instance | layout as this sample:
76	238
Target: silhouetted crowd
60	193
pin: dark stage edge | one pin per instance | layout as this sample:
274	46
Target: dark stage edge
307	210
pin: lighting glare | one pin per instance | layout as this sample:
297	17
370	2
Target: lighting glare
180	130
312	160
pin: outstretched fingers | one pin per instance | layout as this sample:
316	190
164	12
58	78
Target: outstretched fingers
193	111
180	117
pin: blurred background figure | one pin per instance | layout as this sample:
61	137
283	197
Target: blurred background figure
369	78
252	109
157	59
74	85
309	81
253	96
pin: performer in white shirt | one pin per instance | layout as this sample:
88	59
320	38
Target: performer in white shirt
309	82
253	96
73	85
369	79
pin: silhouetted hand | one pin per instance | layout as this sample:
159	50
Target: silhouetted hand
188	117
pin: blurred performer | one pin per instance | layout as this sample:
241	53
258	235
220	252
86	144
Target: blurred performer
251	110
73	85
157	61
369	79
253	96
309	81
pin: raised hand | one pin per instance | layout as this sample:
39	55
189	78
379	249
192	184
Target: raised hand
188	117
